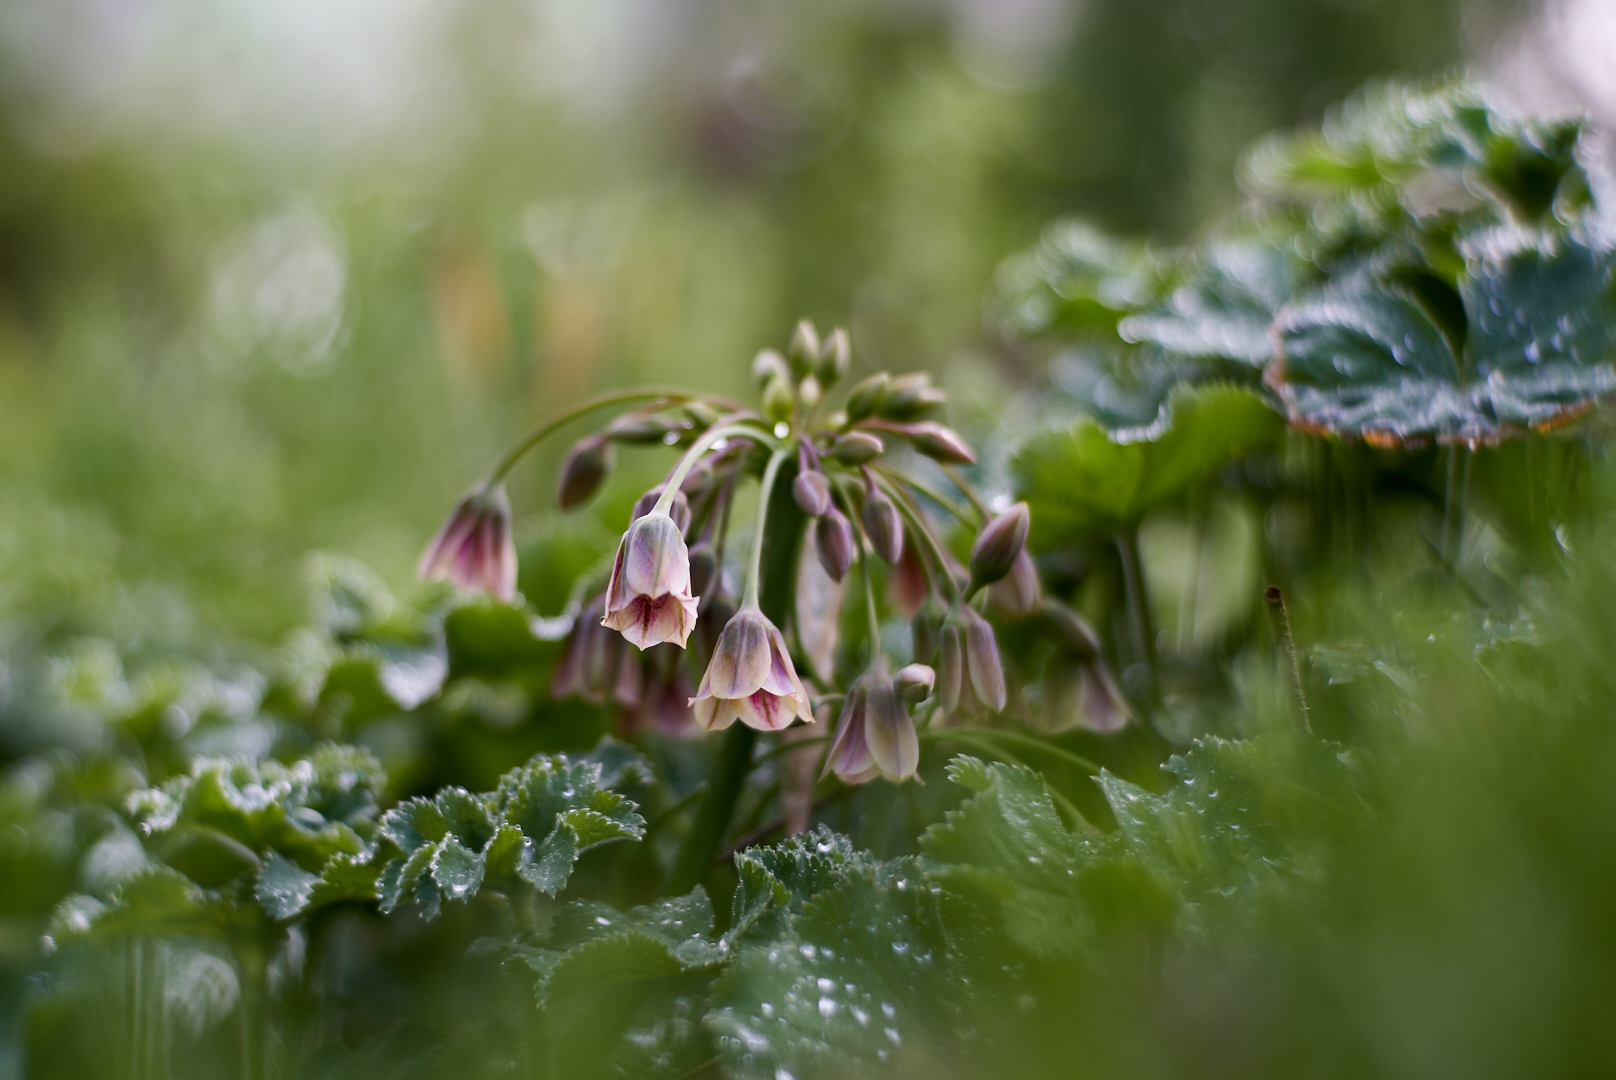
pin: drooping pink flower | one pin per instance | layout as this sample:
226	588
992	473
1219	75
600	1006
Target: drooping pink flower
649	599
474	548
874	735
751	678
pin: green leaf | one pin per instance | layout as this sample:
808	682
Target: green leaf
1222	307
1077	278
457	870
1082	479
283	887
1363	358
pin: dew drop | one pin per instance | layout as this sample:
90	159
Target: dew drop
827	1008
826	985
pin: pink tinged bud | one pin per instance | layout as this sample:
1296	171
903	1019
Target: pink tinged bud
951	665
982	662
590	659
812	492
678	509
998	544
474	548
906	585
649	598
914	683
835	355
1017	594
588	464
883	525
750	678
833	542
939	443
856	448
698	481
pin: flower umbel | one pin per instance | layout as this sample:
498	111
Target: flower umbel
474	548
649	599
750	678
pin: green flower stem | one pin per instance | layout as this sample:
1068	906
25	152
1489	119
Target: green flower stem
967	489
786	747
582	408
918	526
935	496
1133	584
706	836
700	447
1072	813
755	563
864	569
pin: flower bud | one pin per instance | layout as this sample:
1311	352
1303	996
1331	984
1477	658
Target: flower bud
812	492
768	365
833	540
698	481
883	525
778	400
678	509
588	464
808	392
997	546
703	414
474	548
703	568
911	397
856	448
1069	630
907	584
914	683
925	629
867	396
940	443
1018	593
639	430
951	668
803	352
982	661
835	355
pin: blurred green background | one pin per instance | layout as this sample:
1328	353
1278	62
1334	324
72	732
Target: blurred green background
284	277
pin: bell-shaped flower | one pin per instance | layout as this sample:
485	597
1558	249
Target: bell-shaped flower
750	678
649	599
474	548
971	677
874	735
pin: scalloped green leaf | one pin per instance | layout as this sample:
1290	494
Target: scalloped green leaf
1076	278
1225	302
1081	479
1363	358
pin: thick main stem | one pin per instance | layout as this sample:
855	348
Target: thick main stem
1285	650
713	816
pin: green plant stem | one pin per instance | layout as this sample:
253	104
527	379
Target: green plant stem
694	454
787	747
754	565
934	495
713	816
967	489
1285	650
572	412
1133	584
253	1003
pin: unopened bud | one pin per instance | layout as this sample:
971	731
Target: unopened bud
698	481
1068	629
856	448
911	397
678	509
834	357
951	667
768	364
639	430
1018	593
812	492
809	393
867	396
925	629
883	525
833	539
803	352
914	683
940	443
778	400
703	414
997	546
588	464
982	662
703	568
